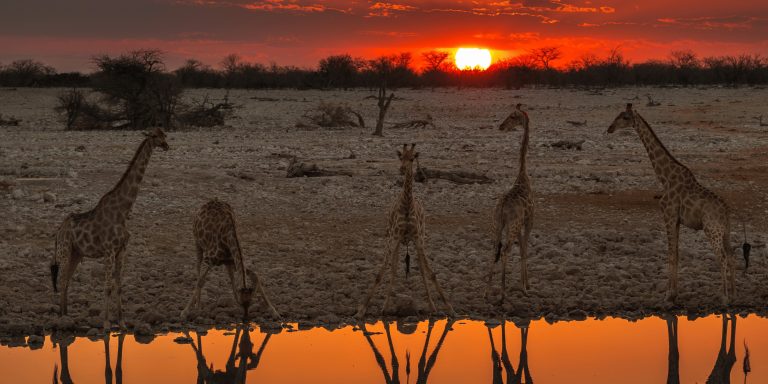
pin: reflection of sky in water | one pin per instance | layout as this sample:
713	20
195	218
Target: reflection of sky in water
607	351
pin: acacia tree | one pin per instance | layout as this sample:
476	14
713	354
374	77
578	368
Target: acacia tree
546	55
136	85
339	70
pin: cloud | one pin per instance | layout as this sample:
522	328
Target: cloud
708	23
394	34
388	9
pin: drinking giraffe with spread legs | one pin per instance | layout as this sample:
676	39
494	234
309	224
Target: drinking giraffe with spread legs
103	232
513	215
406	225
217	244
684	201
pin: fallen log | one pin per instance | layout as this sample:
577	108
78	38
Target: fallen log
458	177
301	169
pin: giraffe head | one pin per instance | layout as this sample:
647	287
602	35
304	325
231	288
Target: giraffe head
517	118
156	138
407	156
623	120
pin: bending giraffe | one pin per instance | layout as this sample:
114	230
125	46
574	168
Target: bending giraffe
217	244
503	364
406	225
684	201
103	231
425	363
513	214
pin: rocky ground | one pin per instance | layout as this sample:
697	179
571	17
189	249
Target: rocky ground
598	247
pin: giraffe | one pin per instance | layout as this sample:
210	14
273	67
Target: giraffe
235	372
425	364
513	214
66	377
217	244
726	357
684	201
103	231
504	364
673	357
406	225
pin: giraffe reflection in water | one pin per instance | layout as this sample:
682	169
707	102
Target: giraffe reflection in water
426	362
502	364
241	359
726	355
65	376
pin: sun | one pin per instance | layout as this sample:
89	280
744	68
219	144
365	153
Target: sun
472	58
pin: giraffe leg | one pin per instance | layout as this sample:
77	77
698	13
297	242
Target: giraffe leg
231	274
195	299
364	305
257	282
673	235
67	272
109	268
393	275
504	260
524	286
117	278
433	277
716	240
489	278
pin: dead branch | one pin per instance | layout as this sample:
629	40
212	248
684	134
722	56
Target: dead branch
418	123
458	177
383	104
9	121
651	102
568	144
328	115
576	123
206	114
301	169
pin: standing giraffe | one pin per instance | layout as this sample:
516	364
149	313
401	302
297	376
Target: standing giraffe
217	244
684	201
103	231
406	224
513	214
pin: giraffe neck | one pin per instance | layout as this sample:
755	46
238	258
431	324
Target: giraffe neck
407	196
657	152
123	195
524	148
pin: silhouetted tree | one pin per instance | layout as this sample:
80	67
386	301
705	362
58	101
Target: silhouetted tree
137	86
339	70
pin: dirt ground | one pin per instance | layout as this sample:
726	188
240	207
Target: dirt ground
598	247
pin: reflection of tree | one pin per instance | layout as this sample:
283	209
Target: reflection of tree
238	364
425	364
673	367
66	378
726	358
503	364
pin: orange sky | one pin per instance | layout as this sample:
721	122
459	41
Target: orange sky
299	32
609	351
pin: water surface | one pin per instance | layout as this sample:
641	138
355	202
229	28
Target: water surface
652	350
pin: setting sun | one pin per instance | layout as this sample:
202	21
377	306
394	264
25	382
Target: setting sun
473	58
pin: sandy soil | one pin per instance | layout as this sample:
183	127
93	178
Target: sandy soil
598	247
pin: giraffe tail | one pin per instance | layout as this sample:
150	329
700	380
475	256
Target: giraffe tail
55	267
498	252
407	263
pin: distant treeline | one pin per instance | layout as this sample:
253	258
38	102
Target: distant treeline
345	71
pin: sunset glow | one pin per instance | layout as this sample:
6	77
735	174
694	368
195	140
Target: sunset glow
472	58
